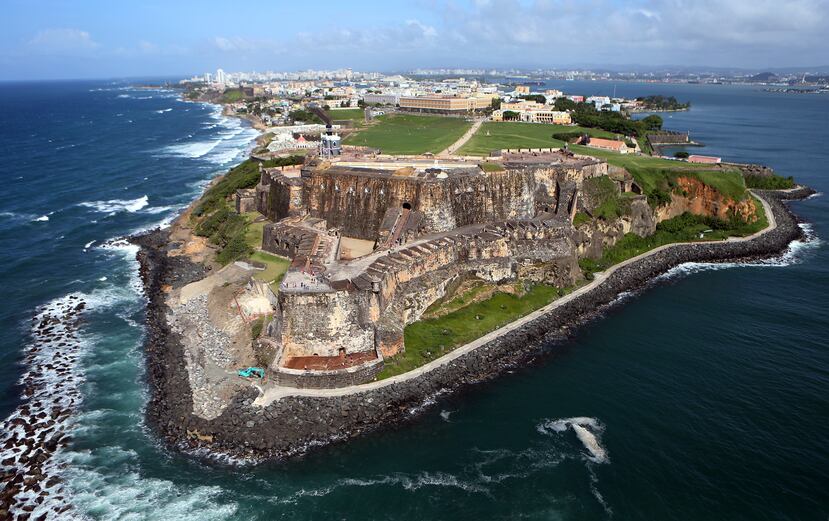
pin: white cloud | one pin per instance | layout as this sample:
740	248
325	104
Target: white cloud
640	31
241	44
62	40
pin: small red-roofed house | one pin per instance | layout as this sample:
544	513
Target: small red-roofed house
608	144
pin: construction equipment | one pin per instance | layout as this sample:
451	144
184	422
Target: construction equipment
252	372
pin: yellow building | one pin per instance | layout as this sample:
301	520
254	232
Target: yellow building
533	114
445	104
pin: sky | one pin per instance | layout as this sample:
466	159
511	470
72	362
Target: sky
56	39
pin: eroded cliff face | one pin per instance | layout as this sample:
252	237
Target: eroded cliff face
594	236
692	196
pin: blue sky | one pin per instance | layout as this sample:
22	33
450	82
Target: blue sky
98	39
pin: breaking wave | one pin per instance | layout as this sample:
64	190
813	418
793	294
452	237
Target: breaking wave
225	146
117	205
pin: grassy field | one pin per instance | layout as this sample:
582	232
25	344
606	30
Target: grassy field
508	134
232	96
276	268
655	174
410	134
429	339
357	115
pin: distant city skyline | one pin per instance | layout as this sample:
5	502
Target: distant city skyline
51	39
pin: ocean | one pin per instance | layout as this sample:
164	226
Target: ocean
704	397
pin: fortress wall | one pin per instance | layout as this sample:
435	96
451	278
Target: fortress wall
496	196
357	203
323	323
545	255
411	279
285	198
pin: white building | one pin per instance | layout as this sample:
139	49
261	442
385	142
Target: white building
381	99
221	77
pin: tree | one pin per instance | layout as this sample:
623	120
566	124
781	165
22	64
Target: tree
565	104
652	122
510	115
496	103
681	155
539	98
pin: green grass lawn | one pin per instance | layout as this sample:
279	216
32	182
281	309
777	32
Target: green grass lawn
276	268
655	174
410	134
427	340
253	232
232	96
357	115
491	167
510	134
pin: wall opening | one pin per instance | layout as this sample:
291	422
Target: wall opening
407	205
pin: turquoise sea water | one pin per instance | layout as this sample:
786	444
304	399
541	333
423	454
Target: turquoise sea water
708	394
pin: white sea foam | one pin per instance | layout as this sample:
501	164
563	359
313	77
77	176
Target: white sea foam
131	495
51	384
118	205
42	218
87	245
162	111
159	209
227	145
193	150
444	415
407	482
587	430
794	254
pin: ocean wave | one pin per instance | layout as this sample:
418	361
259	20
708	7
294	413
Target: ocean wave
193	150
159	209
131	495
117	205
162	111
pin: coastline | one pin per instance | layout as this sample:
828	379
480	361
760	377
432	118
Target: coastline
246	431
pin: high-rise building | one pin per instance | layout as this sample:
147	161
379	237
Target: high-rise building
207	77
221	78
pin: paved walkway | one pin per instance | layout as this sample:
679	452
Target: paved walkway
451	149
272	394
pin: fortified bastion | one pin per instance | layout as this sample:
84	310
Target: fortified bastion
375	240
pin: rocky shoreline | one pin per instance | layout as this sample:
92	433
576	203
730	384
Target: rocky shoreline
295	424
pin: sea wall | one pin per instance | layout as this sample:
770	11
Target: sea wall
294	424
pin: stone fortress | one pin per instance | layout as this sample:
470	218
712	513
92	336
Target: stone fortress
375	240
